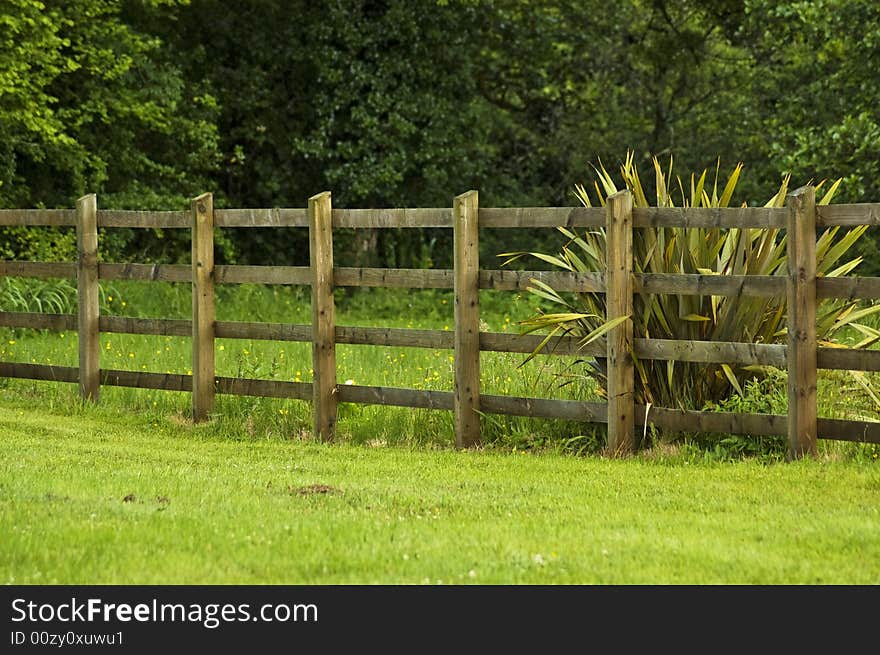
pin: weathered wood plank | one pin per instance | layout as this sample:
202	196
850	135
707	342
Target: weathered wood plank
848	359
540	217
741	354
396	337
203	306
378	336
801	321
851	215
38	321
526	343
295	275
161	381
675	420
762	286
710	217
570	410
766	286
323	316
706	285
274	217
165	327
143	219
403	338
416	398
262	331
400	338
466	263
672	420
840	430
39	372
851	288
392	218
408	278
148	272
505	280
35	217
679	420
501	280
263	388
340	218
87	298
619	303
490	217
147	380
38	269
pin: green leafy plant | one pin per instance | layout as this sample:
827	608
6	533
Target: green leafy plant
52	296
707	251
766	395
27	295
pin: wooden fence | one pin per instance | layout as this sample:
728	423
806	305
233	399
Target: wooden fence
625	420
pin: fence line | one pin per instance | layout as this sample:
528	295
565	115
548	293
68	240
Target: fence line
683	284
801	356
742	354
489	217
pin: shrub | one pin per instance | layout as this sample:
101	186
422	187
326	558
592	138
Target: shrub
705	318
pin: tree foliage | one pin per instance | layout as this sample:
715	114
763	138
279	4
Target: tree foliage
394	103
89	103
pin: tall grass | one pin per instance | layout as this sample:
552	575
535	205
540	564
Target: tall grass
236	417
416	368
30	295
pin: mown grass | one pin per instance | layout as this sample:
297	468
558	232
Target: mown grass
100	495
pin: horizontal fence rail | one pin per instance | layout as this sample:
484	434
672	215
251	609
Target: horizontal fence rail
489	217
683	284
624	419
707	352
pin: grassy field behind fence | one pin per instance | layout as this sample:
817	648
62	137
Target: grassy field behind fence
841	395
418	368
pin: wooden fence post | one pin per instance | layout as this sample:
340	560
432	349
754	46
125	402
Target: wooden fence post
801	356
203	306
466	264
87	297
323	316
619	302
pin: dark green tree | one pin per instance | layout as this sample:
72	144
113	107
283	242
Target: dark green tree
90	104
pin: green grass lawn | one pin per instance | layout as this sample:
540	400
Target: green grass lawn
104	495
